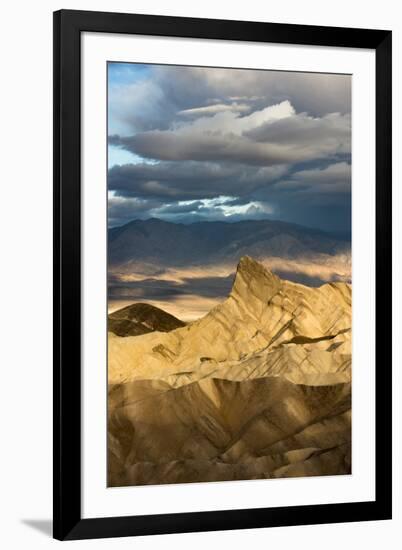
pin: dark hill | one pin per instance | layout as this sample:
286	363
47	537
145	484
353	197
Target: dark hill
141	318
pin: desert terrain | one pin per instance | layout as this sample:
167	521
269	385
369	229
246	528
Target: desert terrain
258	387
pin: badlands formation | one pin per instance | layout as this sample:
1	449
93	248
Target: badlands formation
258	388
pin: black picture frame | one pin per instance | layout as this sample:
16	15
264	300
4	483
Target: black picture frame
68	522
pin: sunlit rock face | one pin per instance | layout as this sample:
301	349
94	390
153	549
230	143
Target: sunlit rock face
260	387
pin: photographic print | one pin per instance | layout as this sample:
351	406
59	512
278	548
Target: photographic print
229	274
202	265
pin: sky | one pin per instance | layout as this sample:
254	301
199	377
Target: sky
188	144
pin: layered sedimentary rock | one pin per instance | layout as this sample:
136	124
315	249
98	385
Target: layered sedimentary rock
258	388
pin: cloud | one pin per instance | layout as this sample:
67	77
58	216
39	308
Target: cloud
273	135
210	110
153	100
190	180
331	132
315	93
124	209
190	191
335	178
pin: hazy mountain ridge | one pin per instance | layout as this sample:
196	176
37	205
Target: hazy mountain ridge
259	387
175	244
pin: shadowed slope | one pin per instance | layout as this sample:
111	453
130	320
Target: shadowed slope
223	429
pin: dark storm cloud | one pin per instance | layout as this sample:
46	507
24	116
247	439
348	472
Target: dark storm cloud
319	197
190	180
335	178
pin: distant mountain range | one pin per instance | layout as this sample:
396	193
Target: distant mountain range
258	388
159	243
187	269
